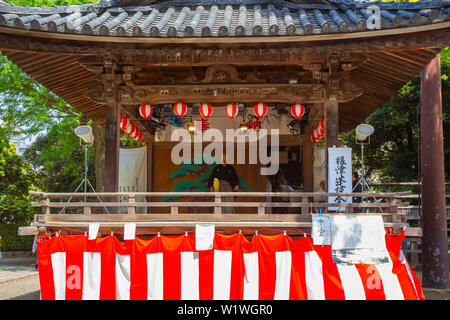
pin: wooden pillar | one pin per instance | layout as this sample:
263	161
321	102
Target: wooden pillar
331	115
434	239
112	128
331	110
99	148
112	147
307	166
149	145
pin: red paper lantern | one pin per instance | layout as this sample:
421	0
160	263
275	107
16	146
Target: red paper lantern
134	133
205	110
129	128
139	137
145	110
322	124
260	109
320	131
316	134
180	109
297	110
231	110
314	139
123	122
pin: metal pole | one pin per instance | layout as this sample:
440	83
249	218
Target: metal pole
85	170
362	174
434	239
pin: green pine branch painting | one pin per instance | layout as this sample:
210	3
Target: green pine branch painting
202	172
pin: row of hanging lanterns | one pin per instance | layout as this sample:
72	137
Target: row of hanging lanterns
318	132
130	129
231	110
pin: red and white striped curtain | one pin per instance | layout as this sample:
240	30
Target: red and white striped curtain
168	267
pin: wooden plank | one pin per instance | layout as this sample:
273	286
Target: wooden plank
27	231
170	219
413	232
164	217
205	194
213	204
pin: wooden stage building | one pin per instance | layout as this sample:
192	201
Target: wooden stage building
341	59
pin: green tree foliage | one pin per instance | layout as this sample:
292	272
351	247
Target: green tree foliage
393	152
46	3
11	241
59	158
28	108
16	179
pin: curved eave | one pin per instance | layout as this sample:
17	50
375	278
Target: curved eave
294	39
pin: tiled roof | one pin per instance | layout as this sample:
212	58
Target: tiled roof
219	18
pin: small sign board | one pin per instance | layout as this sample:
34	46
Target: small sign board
357	232
358	239
339	176
321	230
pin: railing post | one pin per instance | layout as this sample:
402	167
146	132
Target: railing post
131	202
46	208
86	210
261	210
414	253
394	210
305	209
217	209
173	210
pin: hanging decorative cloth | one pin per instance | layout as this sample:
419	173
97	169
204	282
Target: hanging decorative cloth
170	268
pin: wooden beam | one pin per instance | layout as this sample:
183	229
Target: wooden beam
223	93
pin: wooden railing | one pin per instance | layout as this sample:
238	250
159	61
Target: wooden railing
105	208
412	246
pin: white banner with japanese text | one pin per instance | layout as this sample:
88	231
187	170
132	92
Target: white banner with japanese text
339	175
